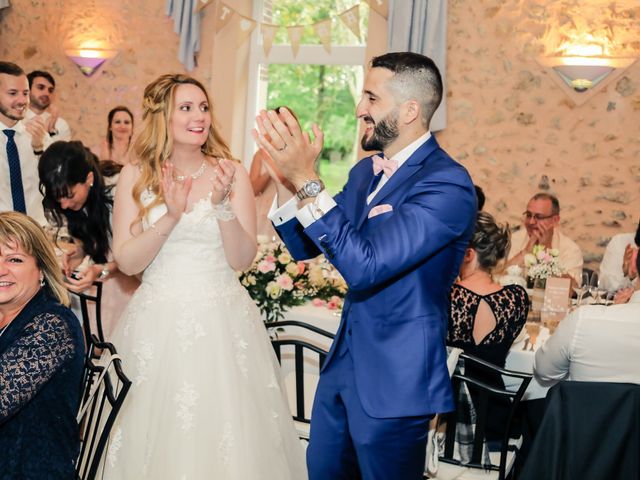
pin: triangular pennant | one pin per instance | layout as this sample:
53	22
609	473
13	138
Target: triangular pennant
245	27
380	6
224	13
295	34
323	31
201	4
268	34
351	19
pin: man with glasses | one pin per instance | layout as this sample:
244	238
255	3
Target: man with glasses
541	220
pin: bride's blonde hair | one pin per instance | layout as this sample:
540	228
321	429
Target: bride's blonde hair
154	144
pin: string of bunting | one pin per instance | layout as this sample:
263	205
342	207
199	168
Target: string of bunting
224	14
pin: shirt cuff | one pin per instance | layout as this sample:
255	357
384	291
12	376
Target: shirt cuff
313	211
280	215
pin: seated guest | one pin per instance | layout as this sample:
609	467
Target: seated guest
41	357
541	222
117	145
615	265
485	317
594	343
75	195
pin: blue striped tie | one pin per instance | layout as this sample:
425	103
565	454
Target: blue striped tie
15	174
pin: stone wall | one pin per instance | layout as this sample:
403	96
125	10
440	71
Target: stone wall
509	122
517	132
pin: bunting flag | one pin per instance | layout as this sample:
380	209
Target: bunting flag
323	31
202	4
268	34
380	6
351	19
224	13
295	34
245	27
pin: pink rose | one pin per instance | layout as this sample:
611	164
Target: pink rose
317	302
301	267
270	258
266	266
285	282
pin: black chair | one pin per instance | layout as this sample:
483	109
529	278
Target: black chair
590	431
471	416
96	300
304	354
105	388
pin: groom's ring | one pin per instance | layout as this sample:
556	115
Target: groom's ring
283	148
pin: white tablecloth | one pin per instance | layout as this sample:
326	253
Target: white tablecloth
321	317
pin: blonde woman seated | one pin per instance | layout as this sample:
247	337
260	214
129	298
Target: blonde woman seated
485	317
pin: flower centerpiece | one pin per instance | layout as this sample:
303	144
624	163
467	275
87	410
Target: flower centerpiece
542	263
276	282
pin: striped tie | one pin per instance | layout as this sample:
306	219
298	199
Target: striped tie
15	174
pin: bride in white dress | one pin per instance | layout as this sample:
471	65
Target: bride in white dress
206	400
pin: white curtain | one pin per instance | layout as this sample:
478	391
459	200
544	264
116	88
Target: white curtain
420	26
186	23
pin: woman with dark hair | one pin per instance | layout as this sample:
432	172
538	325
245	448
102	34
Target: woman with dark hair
76	197
41	357
117	145
486	317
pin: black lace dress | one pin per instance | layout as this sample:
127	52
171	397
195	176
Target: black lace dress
41	361
510	306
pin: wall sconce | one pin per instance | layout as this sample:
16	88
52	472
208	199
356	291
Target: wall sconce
579	75
89	60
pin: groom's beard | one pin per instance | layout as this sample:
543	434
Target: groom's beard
384	132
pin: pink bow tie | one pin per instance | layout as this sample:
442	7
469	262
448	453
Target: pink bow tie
384	164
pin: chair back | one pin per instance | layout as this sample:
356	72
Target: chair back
105	388
91	301
471	414
306	355
590	431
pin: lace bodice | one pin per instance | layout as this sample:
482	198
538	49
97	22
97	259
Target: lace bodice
509	305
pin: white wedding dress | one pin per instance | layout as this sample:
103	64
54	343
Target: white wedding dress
206	400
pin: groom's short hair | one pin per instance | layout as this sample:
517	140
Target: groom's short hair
416	78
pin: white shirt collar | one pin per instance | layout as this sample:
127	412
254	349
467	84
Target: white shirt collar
18	127
404	154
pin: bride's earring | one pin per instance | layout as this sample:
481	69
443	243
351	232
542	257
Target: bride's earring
42	281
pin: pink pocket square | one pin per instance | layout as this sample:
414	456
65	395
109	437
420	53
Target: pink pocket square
378	209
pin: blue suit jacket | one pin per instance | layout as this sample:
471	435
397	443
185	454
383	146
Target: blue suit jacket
399	267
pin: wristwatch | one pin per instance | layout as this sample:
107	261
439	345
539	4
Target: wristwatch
311	188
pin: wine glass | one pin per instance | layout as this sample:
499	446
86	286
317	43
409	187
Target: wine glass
582	288
533	329
594	282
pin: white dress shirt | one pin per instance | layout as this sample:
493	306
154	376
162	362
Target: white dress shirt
324	202
63	131
29	170
570	255
594	343
611	276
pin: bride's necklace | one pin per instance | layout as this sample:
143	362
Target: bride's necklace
197	174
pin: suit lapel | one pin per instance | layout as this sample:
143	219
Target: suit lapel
399	179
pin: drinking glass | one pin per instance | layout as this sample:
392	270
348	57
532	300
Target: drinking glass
594	282
533	329
582	288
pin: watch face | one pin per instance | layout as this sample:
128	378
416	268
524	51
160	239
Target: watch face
312	189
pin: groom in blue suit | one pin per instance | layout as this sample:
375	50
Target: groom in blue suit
397	233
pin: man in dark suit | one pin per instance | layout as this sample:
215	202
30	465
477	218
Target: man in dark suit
397	233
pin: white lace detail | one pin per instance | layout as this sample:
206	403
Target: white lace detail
143	354
241	357
186	400
115	444
226	443
189	330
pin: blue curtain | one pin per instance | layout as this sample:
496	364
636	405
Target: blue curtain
420	26
186	23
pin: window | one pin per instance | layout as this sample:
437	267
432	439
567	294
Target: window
319	87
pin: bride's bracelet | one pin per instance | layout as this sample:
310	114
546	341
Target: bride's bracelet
222	211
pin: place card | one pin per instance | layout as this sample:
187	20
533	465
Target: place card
556	299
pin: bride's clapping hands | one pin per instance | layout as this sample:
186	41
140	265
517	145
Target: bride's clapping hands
175	192
223	181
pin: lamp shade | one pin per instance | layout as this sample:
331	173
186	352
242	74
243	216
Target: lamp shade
582	77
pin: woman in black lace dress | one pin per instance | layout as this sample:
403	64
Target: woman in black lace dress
41	358
485	317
